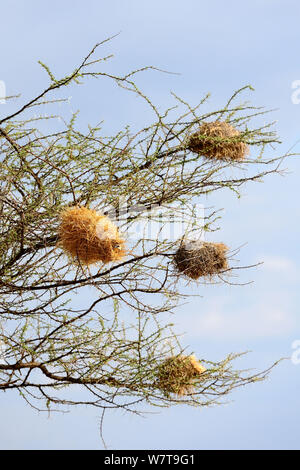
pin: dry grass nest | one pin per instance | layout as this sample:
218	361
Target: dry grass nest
198	259
178	374
218	140
89	236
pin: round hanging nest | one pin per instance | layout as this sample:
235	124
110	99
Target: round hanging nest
89	236
178	374
198	259
218	140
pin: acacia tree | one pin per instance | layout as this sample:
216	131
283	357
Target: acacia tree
72	334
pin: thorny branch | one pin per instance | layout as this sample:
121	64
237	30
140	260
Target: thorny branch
98	331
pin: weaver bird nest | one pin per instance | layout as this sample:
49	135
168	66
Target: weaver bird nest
179	374
198	259
89	236
218	140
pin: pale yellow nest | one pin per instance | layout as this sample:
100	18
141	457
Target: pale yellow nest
218	140
89	237
179	374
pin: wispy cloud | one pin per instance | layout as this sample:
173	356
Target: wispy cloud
268	316
279	263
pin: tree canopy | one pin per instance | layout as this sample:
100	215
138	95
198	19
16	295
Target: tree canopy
101	334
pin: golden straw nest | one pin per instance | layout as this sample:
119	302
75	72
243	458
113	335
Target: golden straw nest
218	140
178	374
89	236
198	259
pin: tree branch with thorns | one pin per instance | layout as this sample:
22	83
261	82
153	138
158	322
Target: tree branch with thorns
100	334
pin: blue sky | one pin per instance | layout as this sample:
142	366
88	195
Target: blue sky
216	47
